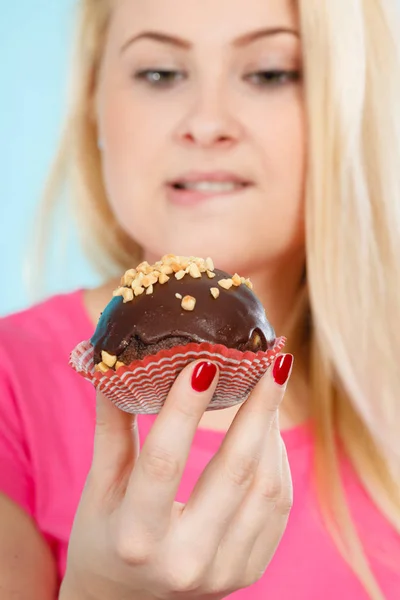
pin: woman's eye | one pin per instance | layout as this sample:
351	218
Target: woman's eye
273	78
159	77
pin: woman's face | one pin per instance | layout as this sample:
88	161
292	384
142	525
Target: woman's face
200	113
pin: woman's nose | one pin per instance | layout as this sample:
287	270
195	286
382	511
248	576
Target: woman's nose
209	123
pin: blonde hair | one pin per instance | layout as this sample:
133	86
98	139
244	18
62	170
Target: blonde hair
352	87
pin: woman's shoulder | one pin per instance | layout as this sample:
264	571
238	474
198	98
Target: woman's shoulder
36	343
56	324
36	380
44	405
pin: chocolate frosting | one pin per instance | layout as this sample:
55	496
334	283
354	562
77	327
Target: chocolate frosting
231	319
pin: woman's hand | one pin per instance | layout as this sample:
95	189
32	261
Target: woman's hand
131	540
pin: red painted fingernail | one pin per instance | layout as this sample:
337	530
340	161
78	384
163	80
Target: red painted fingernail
203	376
282	368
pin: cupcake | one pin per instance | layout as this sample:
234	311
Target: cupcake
164	316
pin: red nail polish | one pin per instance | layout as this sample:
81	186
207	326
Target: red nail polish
282	368
203	376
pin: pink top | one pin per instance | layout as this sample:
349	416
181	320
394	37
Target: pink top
47	415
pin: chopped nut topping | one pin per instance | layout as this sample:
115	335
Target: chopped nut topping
167	259
136	283
101	367
127	279
163	278
143	267
119	364
194	271
188	303
166	269
209	264
237	280
225	283
131	273
118	292
149	280
176	267
108	359
201	264
127	294
141	280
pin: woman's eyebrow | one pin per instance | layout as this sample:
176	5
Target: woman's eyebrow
241	41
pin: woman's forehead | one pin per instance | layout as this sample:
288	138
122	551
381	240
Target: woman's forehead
222	19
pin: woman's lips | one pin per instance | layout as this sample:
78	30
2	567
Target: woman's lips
193	193
192	197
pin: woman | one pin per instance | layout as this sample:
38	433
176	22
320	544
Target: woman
264	133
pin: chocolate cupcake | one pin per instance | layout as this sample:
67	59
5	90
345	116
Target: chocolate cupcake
175	302
166	315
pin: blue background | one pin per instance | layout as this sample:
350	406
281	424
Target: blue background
35	43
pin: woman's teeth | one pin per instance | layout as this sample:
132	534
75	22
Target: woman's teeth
210	186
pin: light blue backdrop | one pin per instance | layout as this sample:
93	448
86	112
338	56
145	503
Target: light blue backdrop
34	52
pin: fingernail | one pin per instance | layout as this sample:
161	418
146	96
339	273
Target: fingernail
203	376
282	368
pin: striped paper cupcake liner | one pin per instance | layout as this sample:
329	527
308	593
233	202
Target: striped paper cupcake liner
142	387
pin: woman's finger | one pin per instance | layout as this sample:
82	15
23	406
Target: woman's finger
155	480
229	476
257	510
116	446
258	506
274	524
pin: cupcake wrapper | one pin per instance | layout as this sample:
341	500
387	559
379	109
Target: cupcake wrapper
142	387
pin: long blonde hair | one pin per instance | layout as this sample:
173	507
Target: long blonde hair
352	88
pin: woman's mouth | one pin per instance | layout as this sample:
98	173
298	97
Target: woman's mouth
193	189
210	187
